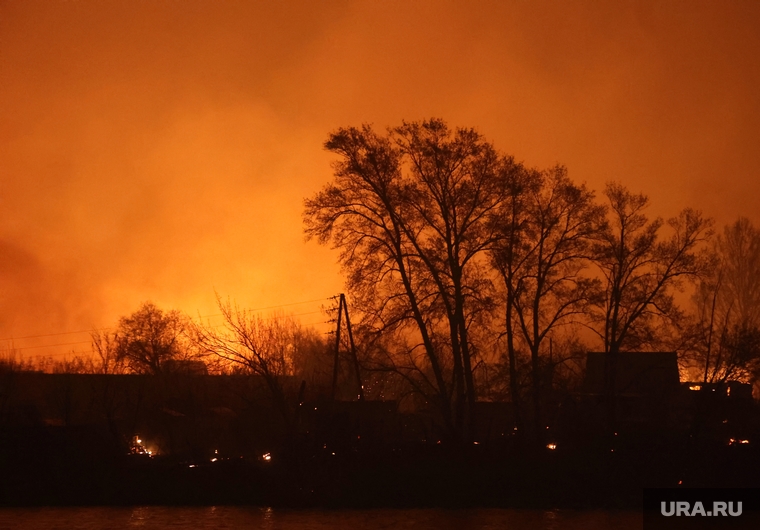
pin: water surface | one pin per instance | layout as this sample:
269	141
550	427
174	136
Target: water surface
232	517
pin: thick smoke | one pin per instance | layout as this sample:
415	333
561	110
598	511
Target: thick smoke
162	150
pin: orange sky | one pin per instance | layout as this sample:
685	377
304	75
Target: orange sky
158	150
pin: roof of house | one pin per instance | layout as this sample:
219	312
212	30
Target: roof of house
636	372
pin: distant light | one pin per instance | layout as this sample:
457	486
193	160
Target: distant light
333	454
139	441
475	443
743	441
213	459
695	387
551	447
680	482
728	391
191	465
267	457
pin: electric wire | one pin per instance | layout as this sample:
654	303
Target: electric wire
107	328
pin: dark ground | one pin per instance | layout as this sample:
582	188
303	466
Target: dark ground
71	466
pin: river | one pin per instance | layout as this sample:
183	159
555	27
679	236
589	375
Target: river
234	517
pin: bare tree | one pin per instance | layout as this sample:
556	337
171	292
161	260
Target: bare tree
509	255
543	260
640	272
147	339
727	303
738	249
411	213
259	346
457	185
104	345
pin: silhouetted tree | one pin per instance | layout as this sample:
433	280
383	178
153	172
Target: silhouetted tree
147	339
738	357
104	345
259	346
640	272
727	303
412	214
543	259
641	269
509	255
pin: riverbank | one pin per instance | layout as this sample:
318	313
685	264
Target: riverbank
52	469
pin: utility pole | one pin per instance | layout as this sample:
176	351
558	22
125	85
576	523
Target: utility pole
337	349
343	307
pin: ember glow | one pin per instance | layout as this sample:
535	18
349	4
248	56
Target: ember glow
162	150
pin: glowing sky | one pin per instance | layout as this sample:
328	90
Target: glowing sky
159	150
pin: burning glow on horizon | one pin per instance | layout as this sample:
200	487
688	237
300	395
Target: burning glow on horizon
183	141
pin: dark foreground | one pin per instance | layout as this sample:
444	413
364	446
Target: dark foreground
51	467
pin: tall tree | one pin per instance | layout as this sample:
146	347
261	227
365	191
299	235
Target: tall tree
738	249
544	264
509	255
727	303
640	271
411	212
360	213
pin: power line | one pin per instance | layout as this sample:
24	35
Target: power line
257	309
111	327
99	329
52	345
55	334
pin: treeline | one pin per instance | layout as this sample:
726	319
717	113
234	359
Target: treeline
474	273
472	277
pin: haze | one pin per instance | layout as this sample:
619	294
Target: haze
162	150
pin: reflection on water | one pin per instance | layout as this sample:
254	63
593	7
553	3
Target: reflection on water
231	517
